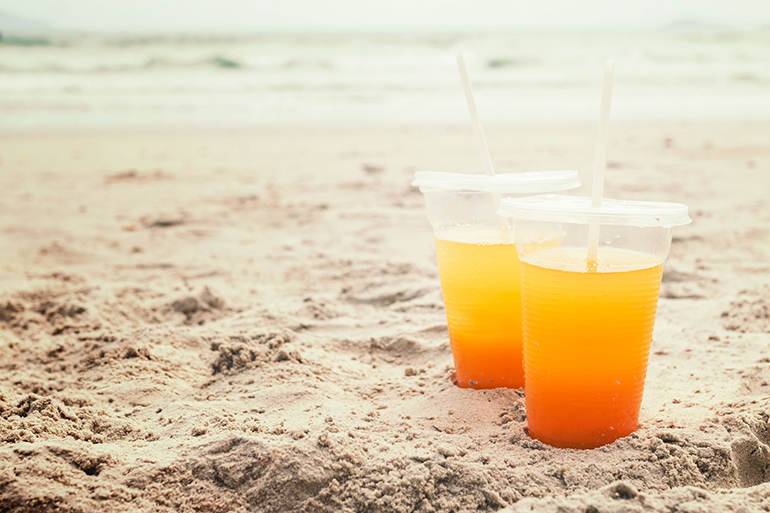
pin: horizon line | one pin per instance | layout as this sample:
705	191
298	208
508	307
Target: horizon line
672	27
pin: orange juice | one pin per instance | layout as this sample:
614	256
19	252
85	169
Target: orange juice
480	283
587	341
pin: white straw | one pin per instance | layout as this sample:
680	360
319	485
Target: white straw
477	128
600	157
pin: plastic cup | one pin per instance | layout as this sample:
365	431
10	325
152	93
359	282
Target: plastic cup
587	323
478	267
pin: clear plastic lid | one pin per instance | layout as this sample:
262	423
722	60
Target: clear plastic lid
536	182
559	208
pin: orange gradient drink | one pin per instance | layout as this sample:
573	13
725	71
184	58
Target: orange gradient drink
479	268
588	314
587	341
482	297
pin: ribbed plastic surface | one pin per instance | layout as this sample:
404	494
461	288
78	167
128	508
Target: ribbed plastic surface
481	288
586	346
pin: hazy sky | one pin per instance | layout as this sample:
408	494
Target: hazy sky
331	15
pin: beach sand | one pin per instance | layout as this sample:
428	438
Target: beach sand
252	321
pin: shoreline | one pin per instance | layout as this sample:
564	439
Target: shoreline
379	126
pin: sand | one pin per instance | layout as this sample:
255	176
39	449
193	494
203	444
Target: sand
252	321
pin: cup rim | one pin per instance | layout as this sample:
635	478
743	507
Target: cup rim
531	182
561	208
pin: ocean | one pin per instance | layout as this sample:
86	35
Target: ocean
543	77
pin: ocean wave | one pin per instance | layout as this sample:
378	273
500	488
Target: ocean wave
495	60
149	63
78	65
224	62
512	62
25	41
172	39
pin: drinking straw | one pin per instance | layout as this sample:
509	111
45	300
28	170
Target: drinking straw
475	122
600	161
486	158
